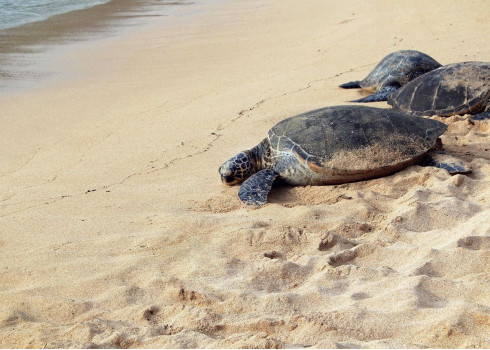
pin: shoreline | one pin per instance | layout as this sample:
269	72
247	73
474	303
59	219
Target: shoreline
29	52
116	231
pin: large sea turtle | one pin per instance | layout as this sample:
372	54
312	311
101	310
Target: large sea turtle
392	72
335	145
454	89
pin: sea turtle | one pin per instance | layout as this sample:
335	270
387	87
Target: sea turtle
336	145
454	89
392	72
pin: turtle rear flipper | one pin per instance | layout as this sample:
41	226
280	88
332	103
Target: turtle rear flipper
381	95
482	115
445	161
351	85
255	189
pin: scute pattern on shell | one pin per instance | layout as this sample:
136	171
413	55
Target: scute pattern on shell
346	139
454	89
398	68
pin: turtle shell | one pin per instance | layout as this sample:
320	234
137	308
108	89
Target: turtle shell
454	89
398	68
357	140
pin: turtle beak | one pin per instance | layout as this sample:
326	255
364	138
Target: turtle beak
224	181
226	177
229	180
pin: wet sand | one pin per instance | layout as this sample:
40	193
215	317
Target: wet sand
116	231
32	50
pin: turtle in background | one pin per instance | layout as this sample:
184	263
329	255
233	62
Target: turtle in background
453	89
335	145
392	72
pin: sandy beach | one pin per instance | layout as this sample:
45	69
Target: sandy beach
116	231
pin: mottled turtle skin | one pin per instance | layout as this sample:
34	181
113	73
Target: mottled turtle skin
335	145
392	72
454	89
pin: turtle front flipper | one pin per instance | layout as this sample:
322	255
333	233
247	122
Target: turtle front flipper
447	162
351	85
381	95
255	189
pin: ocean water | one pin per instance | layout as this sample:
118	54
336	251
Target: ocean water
14	13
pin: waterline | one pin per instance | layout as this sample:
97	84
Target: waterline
14	13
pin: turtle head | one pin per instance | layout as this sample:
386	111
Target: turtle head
237	169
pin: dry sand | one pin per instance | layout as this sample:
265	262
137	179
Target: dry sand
115	230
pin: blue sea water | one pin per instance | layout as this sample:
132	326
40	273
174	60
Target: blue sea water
14	13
